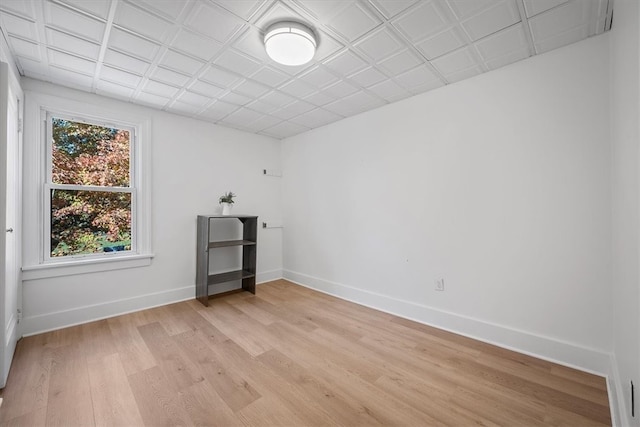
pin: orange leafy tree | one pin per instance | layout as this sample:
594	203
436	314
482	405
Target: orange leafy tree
94	219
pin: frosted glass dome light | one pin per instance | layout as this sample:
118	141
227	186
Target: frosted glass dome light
290	43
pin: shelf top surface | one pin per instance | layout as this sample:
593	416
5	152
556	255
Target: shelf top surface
229	216
223	243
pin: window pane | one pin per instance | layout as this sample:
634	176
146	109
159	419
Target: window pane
85	154
89	222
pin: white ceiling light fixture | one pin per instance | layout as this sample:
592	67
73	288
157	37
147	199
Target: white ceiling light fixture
290	43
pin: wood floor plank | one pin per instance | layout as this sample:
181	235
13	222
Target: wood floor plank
445	371
561	417
330	321
581	377
303	347
197	322
113	400
440	406
337	365
180	372
63	337
228	382
144	317
205	407
172	318
552	397
157	401
97	340
275	296
466	344
269	411
286	356
30	374
254	311
495	410
232	322
35	418
132	349
340	409
270	383
284	314
382	406
590	393
69	402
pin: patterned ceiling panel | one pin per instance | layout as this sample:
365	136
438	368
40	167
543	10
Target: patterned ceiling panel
205	58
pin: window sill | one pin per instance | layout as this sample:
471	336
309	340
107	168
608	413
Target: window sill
84	266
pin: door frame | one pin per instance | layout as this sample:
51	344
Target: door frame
9	334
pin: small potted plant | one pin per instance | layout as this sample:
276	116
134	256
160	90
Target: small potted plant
226	200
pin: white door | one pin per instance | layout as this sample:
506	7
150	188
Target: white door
10	209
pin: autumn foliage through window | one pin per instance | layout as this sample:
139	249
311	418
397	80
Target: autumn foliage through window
90	191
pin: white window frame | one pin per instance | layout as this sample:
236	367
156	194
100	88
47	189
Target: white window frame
38	263
50	185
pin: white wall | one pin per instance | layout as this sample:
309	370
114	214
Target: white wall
625	118
193	163
499	184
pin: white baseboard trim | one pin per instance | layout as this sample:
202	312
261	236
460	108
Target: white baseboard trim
268	276
32	325
616	396
553	350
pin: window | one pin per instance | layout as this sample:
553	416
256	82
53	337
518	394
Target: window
90	190
86	187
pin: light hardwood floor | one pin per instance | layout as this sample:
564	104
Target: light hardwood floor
286	356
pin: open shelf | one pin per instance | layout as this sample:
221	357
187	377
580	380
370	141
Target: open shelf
206	255
225	243
229	276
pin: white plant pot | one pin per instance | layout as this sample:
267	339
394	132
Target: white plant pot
226	208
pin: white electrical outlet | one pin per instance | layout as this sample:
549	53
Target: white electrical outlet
439	284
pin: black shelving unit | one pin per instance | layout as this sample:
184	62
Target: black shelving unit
249	247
